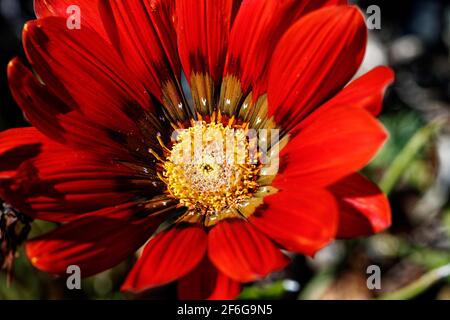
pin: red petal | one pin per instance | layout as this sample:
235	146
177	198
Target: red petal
83	77
86	66
55	118
242	252
125	24
90	14
206	282
169	256
331	144
314	60
364	209
145	40
258	27
301	220
203	29
366	92
96	15
38	104
163	15
17	146
51	182
94	243
58	182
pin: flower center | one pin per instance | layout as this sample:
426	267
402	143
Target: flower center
210	168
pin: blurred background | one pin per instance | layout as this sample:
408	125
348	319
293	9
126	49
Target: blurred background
413	169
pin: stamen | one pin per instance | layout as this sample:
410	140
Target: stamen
161	142
155	154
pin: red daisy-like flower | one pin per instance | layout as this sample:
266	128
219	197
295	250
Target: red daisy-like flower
100	159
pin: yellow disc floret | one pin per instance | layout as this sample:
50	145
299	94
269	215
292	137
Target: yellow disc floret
210	167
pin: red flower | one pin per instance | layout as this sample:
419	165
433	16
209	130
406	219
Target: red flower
105	99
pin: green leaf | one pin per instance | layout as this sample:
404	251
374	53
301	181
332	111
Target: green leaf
274	290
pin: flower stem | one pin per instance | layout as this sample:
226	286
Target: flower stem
409	152
419	286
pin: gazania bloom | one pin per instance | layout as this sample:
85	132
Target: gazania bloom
102	161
